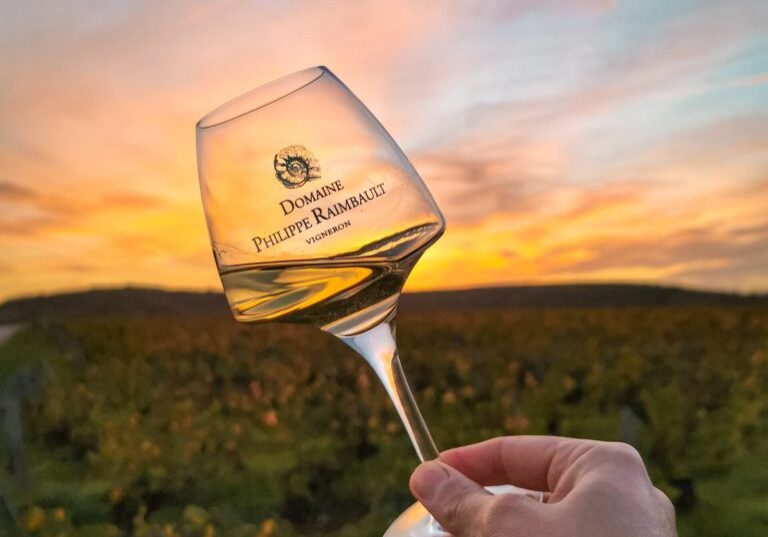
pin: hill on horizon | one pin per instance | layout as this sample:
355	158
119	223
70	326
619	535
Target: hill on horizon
132	301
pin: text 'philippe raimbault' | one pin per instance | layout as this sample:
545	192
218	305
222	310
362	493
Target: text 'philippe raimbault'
319	214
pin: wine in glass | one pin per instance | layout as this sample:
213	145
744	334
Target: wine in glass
316	216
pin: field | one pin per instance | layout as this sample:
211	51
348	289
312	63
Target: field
198	426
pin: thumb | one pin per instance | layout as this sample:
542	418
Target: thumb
457	503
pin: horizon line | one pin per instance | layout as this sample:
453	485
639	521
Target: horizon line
574	283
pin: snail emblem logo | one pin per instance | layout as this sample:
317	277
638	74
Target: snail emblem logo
295	165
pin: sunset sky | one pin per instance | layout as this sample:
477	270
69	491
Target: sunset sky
564	141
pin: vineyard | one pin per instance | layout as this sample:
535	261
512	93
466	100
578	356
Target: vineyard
198	426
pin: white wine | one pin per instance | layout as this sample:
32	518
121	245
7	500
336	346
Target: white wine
345	295
337	295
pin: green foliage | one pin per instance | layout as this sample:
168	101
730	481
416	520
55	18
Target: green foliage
203	427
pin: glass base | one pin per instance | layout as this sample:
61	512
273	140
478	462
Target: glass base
417	522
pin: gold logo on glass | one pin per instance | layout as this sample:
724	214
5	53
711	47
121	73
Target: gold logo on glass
295	165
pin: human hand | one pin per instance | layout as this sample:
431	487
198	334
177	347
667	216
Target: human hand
592	489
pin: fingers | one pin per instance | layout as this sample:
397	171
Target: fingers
452	499
524	461
531	462
463	507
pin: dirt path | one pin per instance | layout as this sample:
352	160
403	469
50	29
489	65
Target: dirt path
7	330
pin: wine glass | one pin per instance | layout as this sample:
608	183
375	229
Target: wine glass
316	216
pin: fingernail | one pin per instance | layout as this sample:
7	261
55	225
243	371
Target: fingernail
427	478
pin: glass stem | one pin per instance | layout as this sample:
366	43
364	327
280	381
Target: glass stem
377	345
